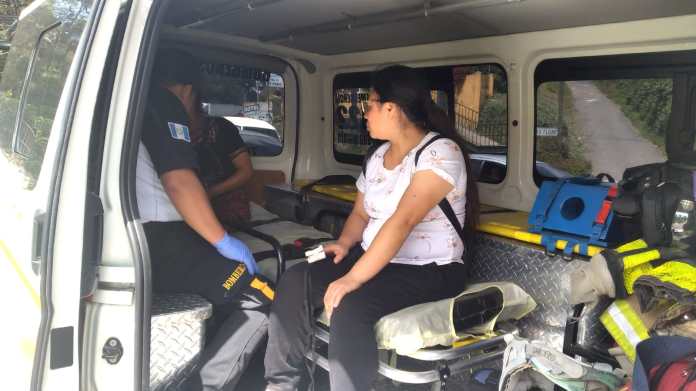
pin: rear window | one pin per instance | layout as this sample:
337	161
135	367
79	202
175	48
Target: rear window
241	91
604	114
473	96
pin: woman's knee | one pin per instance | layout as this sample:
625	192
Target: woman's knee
351	318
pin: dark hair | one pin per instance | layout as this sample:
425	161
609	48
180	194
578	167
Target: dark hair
405	87
175	66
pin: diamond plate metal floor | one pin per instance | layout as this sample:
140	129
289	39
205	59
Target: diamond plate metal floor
545	279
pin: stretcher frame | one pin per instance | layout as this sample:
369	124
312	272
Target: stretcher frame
445	361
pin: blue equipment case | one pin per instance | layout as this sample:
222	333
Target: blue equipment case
577	210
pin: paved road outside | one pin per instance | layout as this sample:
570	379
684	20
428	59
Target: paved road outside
611	142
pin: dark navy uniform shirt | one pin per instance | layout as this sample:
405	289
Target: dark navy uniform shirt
165	146
167	134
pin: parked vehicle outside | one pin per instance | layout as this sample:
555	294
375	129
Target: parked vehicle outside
260	136
491	168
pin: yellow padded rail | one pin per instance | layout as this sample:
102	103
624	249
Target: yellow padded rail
511	225
342	192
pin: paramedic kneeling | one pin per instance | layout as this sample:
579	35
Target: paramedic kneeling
397	248
190	251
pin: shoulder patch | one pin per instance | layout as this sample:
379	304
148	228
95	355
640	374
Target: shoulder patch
179	131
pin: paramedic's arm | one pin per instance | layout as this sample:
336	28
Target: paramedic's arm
352	230
191	201
424	193
242	174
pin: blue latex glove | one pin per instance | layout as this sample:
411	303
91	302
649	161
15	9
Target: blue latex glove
236	250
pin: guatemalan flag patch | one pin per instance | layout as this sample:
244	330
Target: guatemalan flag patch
179	131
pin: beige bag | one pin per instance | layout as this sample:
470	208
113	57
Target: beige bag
431	324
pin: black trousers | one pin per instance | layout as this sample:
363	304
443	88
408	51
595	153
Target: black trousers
183	262
352	348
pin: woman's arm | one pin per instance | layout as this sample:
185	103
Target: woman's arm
355	224
426	190
352	230
243	172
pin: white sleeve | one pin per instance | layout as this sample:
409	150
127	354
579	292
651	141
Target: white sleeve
360	183
444	158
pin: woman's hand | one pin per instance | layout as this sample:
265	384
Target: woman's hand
338	250
336	291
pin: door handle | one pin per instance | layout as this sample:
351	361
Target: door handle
37	242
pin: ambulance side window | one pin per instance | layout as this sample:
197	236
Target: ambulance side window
473	96
608	113
253	99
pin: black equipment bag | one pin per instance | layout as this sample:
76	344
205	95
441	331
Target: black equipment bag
648	194
648	197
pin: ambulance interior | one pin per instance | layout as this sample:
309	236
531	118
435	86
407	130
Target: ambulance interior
540	89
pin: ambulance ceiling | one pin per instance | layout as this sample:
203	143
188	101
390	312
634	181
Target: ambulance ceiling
343	26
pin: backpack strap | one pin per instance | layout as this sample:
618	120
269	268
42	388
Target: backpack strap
426	145
452	217
444	204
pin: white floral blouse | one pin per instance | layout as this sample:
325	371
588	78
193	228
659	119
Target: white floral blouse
434	239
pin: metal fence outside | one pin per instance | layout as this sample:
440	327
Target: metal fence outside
491	133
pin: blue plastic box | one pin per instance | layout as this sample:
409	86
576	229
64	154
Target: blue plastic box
577	210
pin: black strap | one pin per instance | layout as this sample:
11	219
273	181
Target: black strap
426	145
444	203
452	217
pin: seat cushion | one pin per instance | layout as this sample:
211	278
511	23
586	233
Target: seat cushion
284	231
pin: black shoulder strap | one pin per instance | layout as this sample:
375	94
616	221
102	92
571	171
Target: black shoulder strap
426	145
452	217
444	204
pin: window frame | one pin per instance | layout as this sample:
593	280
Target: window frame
438	82
606	67
25	87
352	80
213	63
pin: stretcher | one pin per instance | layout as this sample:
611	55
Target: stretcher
437	364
